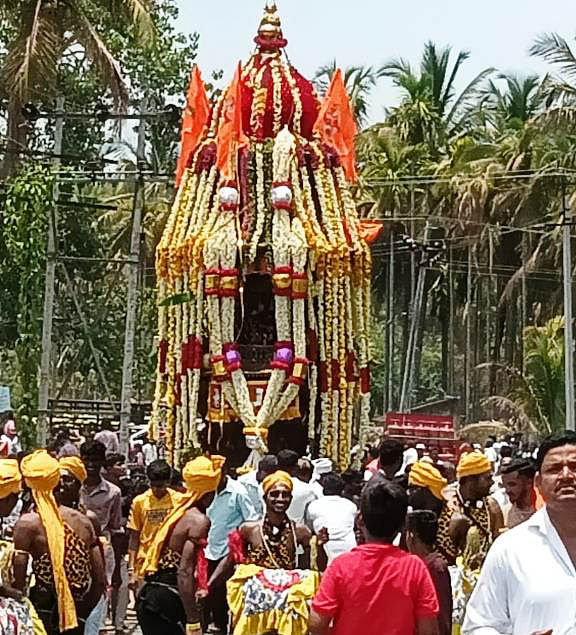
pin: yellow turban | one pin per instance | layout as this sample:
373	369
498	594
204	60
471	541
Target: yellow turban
10	477
75	466
274	479
472	464
201	475
42	474
423	474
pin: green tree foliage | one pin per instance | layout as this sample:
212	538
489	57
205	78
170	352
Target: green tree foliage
359	80
535	401
27	203
431	111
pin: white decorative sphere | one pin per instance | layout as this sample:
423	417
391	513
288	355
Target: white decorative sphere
229	196
281	194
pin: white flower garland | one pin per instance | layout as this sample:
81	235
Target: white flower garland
281	250
299	250
313	376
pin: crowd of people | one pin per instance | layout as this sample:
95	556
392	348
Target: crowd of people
409	543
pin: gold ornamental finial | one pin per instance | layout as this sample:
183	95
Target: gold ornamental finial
270	37
270	24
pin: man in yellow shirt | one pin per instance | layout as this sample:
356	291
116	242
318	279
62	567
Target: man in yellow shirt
147	514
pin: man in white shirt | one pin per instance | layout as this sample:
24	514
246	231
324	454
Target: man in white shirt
150	452
336	514
490	453
303	493
322	467
252	481
528	582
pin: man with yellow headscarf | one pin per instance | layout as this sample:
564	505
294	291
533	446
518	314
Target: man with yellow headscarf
427	490
476	520
175	567
72	475
266	555
67	562
17	615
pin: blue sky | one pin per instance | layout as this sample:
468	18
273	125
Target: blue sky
498	33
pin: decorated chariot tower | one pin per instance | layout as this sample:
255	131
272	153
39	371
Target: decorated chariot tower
263	272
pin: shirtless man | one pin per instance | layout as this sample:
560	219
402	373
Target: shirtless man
67	494
477	518
72	476
269	544
175	560
66	590
476	522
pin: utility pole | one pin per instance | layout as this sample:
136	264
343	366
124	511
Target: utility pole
49	287
416	317
568	326
132	276
390	327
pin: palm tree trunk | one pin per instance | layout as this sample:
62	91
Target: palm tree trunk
17	138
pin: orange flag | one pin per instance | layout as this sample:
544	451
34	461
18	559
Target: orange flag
231	137
194	122
337	126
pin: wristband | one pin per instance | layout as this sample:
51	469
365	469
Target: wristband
191	628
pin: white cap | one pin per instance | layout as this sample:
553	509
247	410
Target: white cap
420	446
322	466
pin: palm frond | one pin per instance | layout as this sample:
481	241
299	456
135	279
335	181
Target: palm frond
470	91
33	56
102	58
142	18
508	408
394	68
448	85
553	48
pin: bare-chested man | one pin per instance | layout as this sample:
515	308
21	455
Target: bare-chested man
67	561
72	476
477	518
175	566
267	554
476	521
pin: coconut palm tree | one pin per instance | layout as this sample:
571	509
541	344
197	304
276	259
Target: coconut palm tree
385	159
559	90
536	396
359	80
431	110
515	105
44	31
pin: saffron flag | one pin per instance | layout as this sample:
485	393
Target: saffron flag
194	122
231	137
337	126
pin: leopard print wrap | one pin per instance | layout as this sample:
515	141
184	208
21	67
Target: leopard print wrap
281	546
169	561
444	543
76	565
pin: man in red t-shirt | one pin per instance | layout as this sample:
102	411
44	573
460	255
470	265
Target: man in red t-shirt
377	588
